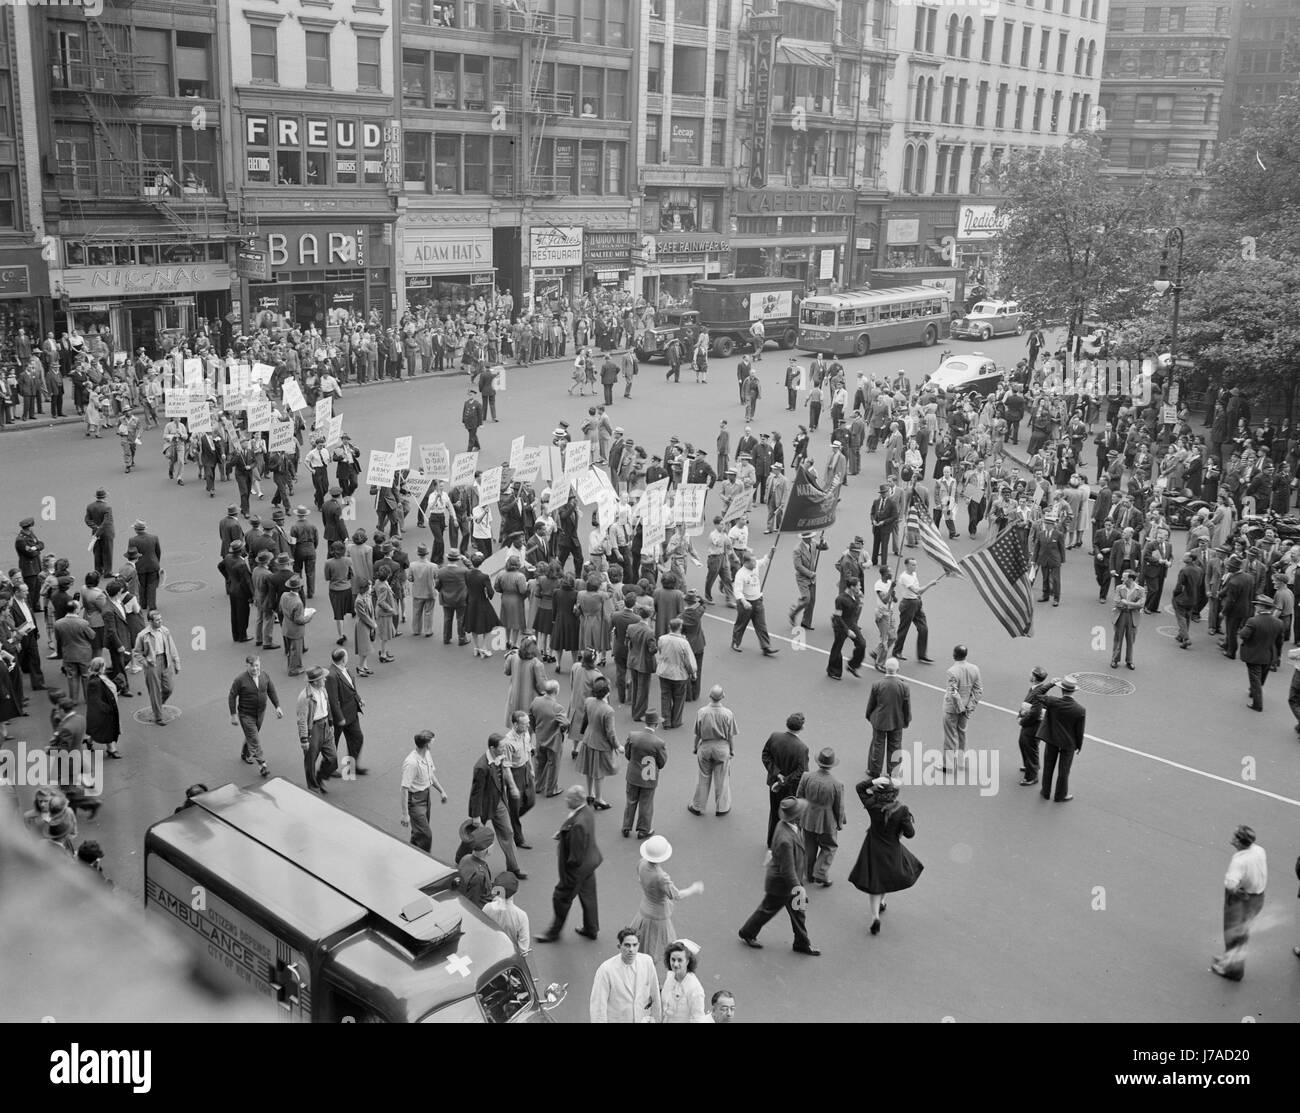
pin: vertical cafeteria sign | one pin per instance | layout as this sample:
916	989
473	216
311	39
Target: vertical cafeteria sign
766	28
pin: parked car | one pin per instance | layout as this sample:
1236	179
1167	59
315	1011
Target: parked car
989	319
966	373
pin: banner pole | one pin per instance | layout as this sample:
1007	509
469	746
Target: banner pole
779	528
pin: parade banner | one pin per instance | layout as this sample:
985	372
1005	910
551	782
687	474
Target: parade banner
402	453
379	469
292	394
462	468
334	436
498	377
262	373
176	403
530	465
259	416
577	458
489	487
417	485
517	452
324	411
589	488
281	436
809	505
435	461
200	417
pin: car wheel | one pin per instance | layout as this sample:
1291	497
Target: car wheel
1020	328
723	346
789	338
986	333
931	335
862	346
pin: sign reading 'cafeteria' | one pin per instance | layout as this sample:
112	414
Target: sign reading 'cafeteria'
556	246
761	201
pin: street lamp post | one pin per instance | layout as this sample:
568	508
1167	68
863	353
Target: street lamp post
1162	283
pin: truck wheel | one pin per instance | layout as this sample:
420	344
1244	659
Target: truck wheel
788	339
986	333
723	346
862	346
927	341
642	356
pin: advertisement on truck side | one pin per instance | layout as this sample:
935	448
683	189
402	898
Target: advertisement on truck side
774	303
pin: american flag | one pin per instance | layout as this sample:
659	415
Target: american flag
1000	572
936	547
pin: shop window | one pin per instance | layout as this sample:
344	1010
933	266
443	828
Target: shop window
369	69
718	143
263	51
689	64
476	158
193	64
288	168
8	208
589	104
345	167
415	78
652	148
446	85
615	159
198	162
475	73
415	161
654	75
616	95
679	210
316	168
446	163
317	51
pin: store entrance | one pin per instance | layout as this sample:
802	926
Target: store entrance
142	324
309	309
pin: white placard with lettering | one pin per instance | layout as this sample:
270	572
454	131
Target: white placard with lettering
462	468
259	416
193	373
262	373
200	417
324	411
176	403
589	488
529	465
489	487
334	436
292	394
552	462
402	453
281	436
517	452
379	470
577	458
498	376
560	493
689	506
418	484
654	529
435	461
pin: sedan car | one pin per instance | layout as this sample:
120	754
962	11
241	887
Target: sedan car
975	372
991	318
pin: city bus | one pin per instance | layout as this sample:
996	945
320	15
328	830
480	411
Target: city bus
868	320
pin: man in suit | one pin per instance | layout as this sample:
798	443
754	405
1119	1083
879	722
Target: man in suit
626	987
889	710
241	463
229	529
28	650
491	785
76	639
884	514
805	577
450	580
250	693
293	624
156	650
424	592
1030	717
1061	732
148	565
642	649
333	527
239	589
1187	595
1156	558
1048	556
646	755
783	881
1261	647
28	547
346	706
315	736
99	518
578	858
785	757
211	457
1235	601
306	540
1104	539
1129	599
1124	556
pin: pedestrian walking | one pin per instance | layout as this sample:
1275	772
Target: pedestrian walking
647	754
1261	637
845	624
961	697
884	864
653	922
1187	596
783	885
491	785
156	652
911	612
419	779
823	818
715	746
250	693
315	732
749	605
785	757
1243	901
577	857
805	577
626	987
889	711
675	666
1061	731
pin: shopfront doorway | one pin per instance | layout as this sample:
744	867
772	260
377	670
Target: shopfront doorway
143	325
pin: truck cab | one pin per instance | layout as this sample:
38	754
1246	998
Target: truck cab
329	919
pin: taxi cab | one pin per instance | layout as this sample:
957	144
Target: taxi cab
963	374
987	319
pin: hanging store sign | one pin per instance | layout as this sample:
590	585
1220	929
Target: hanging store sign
556	246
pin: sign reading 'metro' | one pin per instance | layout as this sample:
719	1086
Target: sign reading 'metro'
757	202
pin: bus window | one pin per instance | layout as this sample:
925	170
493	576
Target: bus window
505	996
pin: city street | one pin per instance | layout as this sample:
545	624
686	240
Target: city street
1108	908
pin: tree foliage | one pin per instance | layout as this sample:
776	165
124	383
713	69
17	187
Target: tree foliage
1256	178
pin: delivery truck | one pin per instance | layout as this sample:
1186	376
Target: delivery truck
726	308
327	918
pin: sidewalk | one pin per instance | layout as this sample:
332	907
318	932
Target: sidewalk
45	421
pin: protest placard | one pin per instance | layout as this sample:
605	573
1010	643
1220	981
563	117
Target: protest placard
560	493
402	453
418	484
200	417
259	416
281	436
529	465
577	458
462	468
324	411
292	394
176	403
193	370
379	469
435	461
689	504
552	463
588	487
516	452
498	376
489	487
334	436
1168	414
262	373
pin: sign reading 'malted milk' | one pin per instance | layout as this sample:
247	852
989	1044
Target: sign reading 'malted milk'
556	246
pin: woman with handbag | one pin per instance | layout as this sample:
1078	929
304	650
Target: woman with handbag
103	720
884	865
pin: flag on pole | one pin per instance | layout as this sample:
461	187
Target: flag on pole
937	549
1000	572
809	506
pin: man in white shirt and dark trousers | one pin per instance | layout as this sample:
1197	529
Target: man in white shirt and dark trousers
1243	900
749	605
910	613
417	780
316	731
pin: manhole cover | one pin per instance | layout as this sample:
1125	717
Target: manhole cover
182	586
183	557
1099	684
145	714
1167	631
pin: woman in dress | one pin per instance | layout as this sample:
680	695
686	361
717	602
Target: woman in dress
512	586
669	602
103	722
338	575
367	627
581	678
480	617
94	417
385	612
564	632
653	922
527	678
599	742
541	592
682	997
884	864
590	610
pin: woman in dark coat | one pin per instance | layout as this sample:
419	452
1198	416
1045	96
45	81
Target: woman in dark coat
10	697
103	721
564	632
480	616
884	865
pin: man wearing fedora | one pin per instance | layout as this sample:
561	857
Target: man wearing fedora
293	624
1061	732
805	577
783	881
99	520
1243	901
646	755
316	732
578	858
239	589
1029	718
148	565
1261	646
823	818
1048	556
306	540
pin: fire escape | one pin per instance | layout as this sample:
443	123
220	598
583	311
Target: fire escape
100	70
529	105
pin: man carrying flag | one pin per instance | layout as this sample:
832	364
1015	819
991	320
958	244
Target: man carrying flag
1000	573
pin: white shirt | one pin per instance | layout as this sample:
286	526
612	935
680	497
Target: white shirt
909	586
320	703
1248	870
417	771
749	582
881	588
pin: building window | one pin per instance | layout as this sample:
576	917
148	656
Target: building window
616	95
919	114
1062	42
1056	110
840	154
1173	62
967	33
950	47
1026	44
1000	114
954	169
1203	154
719	75
1075	122
1147	154
1151	19
909	160
652	148
718	143
976	168
8	209
940	167
415	78
959	112
615	160
6	106
1039	96
1118	17
193	64
931	26
1008	40
1154	108
415	160
475	73
616	22
318	57
1085	109
1022	92
446	163
589	168
199	171
1207	115
368	64
158	159
1092	57
654	74
263	50
446	81
476	159
1177	19
685	141
945	108
1044	48
981	102
922	165
590	100
929	99
1220	18
689	64
1110	62
692	12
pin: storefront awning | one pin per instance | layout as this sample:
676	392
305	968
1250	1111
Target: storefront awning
790	55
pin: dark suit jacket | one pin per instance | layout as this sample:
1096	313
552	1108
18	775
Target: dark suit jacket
1063	719
1049	546
1123	558
577	853
345	703
332	513
487	788
1237	593
884	512
1261	639
99	517
239	577
147	545
789	862
642	646
451	585
229	530
785	757
889	707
